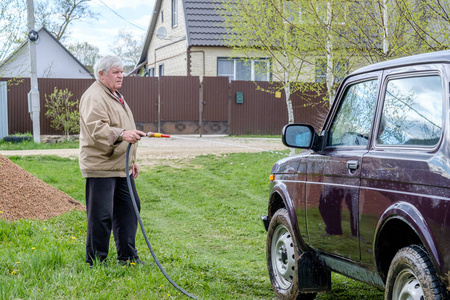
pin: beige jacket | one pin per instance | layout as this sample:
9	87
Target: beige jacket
102	119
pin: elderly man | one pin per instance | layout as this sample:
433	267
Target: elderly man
106	122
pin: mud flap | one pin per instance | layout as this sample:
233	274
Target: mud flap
312	275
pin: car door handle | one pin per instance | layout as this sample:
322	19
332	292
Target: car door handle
352	165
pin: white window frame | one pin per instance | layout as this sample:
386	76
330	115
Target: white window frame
174	13
236	60
151	72
160	70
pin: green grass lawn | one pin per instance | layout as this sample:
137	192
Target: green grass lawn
31	145
202	218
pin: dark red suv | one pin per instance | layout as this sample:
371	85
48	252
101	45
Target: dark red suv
370	197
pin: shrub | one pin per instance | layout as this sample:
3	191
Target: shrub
63	112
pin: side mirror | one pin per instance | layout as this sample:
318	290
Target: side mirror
301	136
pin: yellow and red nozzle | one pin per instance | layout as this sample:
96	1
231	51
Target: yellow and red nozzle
157	135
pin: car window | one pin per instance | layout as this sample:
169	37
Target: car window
412	112
352	123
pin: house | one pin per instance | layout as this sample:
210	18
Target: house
53	60
186	38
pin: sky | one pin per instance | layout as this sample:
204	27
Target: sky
101	33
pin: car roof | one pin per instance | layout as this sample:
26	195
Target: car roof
425	58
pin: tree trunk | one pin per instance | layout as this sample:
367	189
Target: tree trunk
290	109
329	47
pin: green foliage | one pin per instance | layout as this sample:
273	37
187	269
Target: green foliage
258	28
63	112
22	134
330	38
202	218
31	145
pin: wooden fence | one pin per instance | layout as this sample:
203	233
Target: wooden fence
181	105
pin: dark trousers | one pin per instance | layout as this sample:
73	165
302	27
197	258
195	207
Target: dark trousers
109	206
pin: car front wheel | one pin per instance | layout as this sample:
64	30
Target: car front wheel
282	255
412	276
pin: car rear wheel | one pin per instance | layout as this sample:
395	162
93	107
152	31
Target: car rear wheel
412	276
282	255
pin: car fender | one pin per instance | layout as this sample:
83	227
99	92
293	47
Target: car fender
411	216
280	190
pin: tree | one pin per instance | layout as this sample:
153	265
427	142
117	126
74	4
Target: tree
63	112
429	21
322	24
86	53
333	37
12	31
260	28
127	47
385	29
58	15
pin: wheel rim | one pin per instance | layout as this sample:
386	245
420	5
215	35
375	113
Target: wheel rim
283	260
407	287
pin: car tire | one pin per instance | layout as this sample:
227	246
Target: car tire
282	255
412	276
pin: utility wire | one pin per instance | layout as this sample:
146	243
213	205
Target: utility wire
120	16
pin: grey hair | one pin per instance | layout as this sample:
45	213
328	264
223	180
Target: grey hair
105	63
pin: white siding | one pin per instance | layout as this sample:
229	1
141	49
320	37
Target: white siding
170	50
53	61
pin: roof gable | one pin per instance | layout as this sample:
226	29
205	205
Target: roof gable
203	23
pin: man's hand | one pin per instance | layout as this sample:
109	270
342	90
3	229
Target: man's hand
132	136
135	171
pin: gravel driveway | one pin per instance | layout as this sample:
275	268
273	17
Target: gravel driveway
152	151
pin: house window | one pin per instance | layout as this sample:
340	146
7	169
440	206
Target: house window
240	69
321	70
174	13
161	70
151	72
291	11
340	70
162	16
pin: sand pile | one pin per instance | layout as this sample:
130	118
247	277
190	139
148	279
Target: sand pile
23	196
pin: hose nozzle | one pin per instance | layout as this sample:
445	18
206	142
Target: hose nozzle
157	135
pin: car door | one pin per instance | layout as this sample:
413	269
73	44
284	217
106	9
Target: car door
404	165
333	173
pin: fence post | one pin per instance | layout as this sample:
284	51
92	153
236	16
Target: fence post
159	104
200	122
229	108
3	110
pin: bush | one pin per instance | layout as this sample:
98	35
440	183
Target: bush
63	112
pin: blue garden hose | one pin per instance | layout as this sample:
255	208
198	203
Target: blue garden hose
143	230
